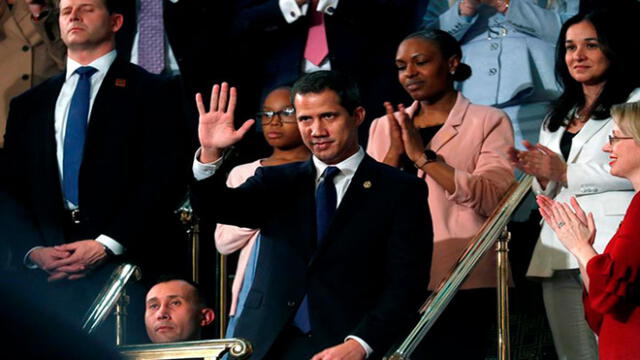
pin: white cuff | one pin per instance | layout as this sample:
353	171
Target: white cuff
327	6
115	247
291	11
202	171
362	343
27	261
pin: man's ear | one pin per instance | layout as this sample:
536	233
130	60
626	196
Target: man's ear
116	22
358	115
207	316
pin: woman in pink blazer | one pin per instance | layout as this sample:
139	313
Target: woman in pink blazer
460	150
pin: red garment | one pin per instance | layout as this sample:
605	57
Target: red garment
612	305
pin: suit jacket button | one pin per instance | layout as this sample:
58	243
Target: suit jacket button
25	77
25	48
291	303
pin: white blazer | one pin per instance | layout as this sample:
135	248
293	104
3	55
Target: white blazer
590	181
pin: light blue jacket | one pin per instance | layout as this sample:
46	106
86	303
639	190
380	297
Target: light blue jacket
512	56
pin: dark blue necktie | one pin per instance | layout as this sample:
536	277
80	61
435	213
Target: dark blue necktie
75	133
326	200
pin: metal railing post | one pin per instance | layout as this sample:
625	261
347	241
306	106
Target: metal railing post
121	318
502	248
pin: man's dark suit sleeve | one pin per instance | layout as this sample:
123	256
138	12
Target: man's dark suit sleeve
163	165
17	226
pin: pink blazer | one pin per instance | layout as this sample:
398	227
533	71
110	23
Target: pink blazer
474	141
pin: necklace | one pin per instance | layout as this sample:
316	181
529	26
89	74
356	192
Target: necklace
578	116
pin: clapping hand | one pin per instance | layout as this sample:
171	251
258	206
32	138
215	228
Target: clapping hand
539	161
573	227
216	130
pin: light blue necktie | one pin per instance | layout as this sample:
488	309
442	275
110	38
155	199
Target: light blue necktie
75	133
326	200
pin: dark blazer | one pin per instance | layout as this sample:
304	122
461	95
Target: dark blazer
133	173
193	29
362	36
368	276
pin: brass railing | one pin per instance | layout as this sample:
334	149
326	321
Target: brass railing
207	349
112	295
192	225
493	229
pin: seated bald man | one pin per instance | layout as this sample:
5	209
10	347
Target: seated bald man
175	311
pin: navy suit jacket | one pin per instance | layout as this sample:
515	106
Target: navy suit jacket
367	278
133	174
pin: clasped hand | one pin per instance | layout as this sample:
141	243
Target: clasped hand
69	261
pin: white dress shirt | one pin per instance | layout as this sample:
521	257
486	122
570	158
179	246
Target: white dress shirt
341	181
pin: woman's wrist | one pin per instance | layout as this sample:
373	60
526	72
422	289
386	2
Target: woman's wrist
583	252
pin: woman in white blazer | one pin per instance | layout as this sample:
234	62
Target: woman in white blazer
568	161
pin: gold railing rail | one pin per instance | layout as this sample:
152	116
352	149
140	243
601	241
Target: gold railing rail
207	349
493	229
112	295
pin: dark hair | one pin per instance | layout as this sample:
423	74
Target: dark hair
341	84
202	302
115	6
621	76
448	46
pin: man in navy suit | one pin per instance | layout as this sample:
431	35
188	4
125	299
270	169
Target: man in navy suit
75	220
340	273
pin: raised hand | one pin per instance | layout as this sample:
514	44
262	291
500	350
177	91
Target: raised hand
216	130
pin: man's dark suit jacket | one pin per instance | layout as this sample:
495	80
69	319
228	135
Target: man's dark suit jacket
193	28
368	276
362	36
133	174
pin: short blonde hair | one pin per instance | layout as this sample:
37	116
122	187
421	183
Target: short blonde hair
627	116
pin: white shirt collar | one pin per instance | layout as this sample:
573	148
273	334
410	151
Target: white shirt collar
347	166
102	64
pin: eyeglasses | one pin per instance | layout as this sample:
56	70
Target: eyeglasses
286	116
614	139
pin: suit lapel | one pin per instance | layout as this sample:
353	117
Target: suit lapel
590	128
307	210
47	119
109	101
20	15
450	128
358	189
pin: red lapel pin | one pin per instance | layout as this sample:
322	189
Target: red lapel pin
121	82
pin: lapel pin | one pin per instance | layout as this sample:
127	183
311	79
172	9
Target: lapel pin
121	82
367	184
